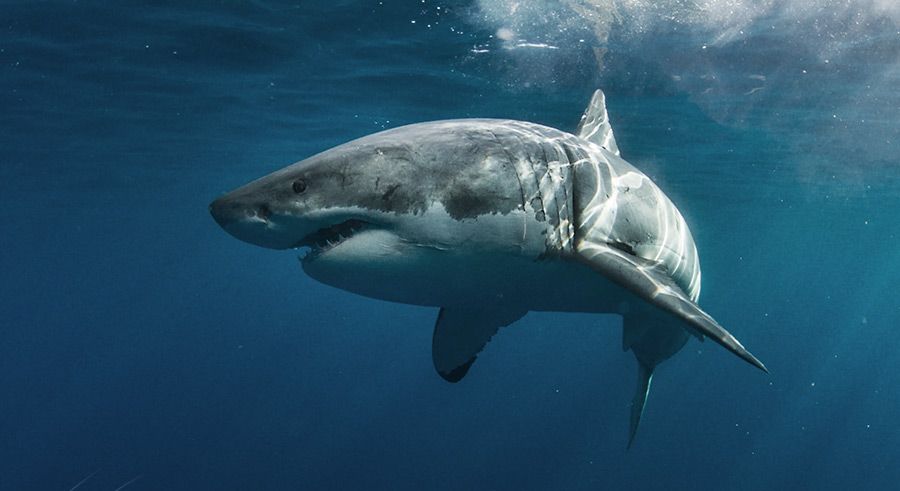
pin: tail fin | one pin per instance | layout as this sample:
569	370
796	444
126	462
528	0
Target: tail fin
645	376
652	340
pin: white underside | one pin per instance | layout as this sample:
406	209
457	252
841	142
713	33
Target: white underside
431	259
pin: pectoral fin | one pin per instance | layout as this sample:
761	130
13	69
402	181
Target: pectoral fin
651	282
460	333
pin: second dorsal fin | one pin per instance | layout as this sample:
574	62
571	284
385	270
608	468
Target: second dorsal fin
594	125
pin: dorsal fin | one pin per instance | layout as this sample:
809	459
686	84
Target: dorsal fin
594	125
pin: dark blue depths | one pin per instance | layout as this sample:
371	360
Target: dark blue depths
139	341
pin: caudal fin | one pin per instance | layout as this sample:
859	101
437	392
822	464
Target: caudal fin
645	376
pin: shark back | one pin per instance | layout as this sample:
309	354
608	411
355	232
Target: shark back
576	190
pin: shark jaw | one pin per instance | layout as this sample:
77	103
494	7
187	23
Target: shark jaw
327	239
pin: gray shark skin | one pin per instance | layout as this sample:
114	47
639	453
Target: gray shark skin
487	220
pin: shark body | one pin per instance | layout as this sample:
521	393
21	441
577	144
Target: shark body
487	220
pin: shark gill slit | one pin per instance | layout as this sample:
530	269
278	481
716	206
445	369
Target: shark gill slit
514	163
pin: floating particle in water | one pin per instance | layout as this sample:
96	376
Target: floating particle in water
505	33
89	476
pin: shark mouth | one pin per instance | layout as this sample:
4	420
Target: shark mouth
325	239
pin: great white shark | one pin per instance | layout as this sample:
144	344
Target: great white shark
488	219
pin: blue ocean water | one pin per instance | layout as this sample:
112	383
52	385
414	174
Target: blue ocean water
143	346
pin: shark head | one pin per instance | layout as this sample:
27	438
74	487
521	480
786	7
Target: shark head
381	202
331	204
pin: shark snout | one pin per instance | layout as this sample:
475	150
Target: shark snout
227	211
250	222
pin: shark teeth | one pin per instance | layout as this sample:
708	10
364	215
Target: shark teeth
328	238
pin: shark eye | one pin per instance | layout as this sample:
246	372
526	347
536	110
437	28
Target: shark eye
299	186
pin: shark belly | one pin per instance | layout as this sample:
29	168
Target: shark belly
435	278
509	260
